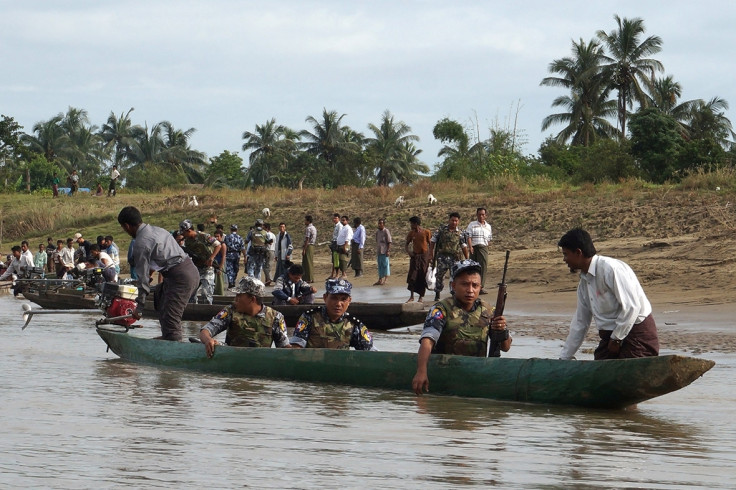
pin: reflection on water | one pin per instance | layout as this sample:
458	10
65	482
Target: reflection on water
76	416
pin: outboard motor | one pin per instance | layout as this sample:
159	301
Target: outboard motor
118	300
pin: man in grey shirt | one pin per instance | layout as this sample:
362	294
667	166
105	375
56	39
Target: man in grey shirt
156	250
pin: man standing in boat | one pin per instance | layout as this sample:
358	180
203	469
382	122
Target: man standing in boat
610	292
249	323
156	250
459	324
330	326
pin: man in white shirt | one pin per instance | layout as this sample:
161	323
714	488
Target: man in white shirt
343	245
610	292
114	175
333	246
270	254
480	235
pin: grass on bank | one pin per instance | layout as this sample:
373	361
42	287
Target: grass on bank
538	206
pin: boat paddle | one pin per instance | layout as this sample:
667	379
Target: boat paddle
498	336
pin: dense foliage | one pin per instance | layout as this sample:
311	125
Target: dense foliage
619	120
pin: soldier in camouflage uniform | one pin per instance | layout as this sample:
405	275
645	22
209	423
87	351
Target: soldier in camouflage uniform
330	326
235	246
447	245
257	252
202	248
248	322
459	324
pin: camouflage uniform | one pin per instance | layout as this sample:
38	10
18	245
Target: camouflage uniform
257	253
199	249
250	331
448	248
456	331
235	246
315	330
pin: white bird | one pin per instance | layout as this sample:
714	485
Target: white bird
193	202
399	202
266	213
718	188
431	199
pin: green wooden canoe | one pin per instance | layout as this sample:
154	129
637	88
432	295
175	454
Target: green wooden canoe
376	316
600	384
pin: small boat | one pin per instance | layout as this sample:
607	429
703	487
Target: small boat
376	316
598	384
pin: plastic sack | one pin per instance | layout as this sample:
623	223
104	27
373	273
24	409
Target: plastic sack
430	278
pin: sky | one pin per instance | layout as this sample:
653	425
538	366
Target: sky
223	66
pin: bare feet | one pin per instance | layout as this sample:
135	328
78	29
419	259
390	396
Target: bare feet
421	299
377	283
412	299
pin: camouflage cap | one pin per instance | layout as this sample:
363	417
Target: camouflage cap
466	265
259	222
250	285
233	226
186	225
338	286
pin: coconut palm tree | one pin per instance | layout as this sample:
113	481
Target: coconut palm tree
327	140
627	66
50	140
388	147
707	120
178	154
272	146
664	94
587	107
118	135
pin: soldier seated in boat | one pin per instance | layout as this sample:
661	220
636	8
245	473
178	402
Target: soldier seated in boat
459	324
291	289
330	326
249	323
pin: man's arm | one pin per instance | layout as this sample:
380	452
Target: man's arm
278	330
420	383
218	324
578	326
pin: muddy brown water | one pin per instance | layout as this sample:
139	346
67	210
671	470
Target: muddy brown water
76	416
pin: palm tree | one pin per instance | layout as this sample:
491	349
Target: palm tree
627	67
118	134
707	120
388	147
178	154
271	146
328	138
663	96
587	106
50	140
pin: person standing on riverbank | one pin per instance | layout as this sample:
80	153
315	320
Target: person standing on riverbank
610	293
357	245
480	234
310	239
383	249
448	245
417	246
156	250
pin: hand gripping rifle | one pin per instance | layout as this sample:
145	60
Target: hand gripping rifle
498	336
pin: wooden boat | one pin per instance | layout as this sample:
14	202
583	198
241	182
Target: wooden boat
599	384
377	316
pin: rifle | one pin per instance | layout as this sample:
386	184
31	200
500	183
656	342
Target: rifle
498	336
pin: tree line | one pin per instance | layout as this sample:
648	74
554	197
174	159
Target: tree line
619	120
327	154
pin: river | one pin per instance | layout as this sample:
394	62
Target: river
76	416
